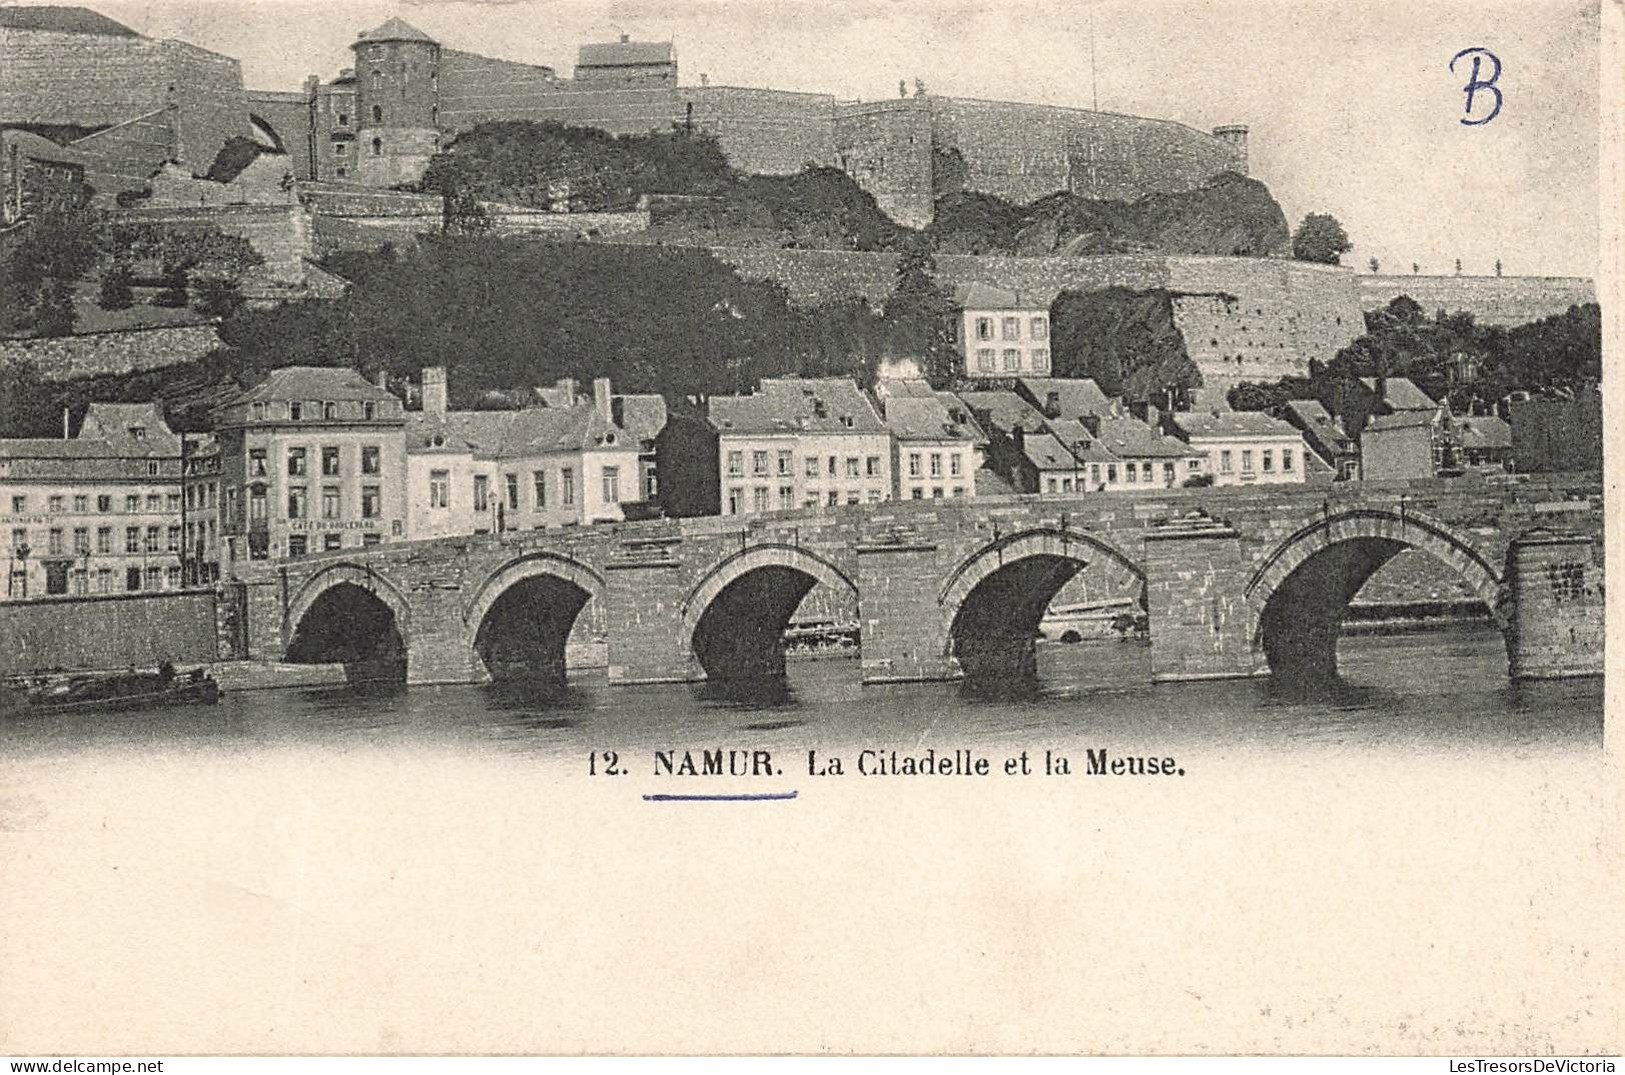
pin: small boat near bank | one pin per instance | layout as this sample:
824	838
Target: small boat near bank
108	692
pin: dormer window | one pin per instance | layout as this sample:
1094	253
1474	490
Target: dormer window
369	410
846	420
296	411
138	432
259	412
330	411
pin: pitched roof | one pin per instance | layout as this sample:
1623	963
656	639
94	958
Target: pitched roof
1388	423
1483	431
1232	424
1319	427
313	383
1005	410
789	404
1131	438
960	415
1046	452
1075	396
116	425
914	418
987	297
643	416
396	29
37	147
62	19
1401	394
624	54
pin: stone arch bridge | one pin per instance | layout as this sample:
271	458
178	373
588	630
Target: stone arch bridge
1234	582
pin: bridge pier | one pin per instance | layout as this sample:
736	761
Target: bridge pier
439	645
1557	612
904	634
1195	585
646	606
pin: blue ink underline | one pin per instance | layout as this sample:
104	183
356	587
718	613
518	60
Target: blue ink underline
746	797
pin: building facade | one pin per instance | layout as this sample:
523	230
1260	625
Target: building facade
97	513
311	460
1243	447
933	455
1001	335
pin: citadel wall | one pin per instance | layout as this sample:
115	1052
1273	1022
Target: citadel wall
886	147
86	354
1496	300
289	115
1255	319
478	89
99	80
769	132
121	157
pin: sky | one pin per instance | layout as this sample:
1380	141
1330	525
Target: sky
1353	107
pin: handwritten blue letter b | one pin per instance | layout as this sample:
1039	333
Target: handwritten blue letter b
1474	83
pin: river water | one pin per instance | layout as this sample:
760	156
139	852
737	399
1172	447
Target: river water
1419	860
1436	690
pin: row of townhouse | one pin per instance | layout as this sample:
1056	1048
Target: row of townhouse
310	460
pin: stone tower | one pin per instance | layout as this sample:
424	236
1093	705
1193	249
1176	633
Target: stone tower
1236	135
397	85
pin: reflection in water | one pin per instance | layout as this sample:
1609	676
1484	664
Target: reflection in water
1445	690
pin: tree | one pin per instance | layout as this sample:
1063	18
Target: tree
1416	270
115	292
1458	266
1125	341
1497	266
1320	238
1374	266
174	293
217	296
920	316
54	315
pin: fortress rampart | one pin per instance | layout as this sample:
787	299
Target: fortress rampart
1496	300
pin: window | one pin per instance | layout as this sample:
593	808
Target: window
154	502
936	491
936	464
852	466
1268	461
132	539
104	503
1040	360
132	579
81	504
986	359
736	464
368	540
298	544
538	482
734	496
567	485
1246	460
296	462
152	539
104	580
173	502
1094	473
871	466
1167	473
370	498
959	492
1012	358
1040	327
174	539
1286	458
369	411
612	485
153	579
377	145
785	463
758	463
53	543
1131	472
956	464
369	458
482	493
759	498
19	505
258	411
787	497
132	504
377	115
296	410
1052	485
1111	473
104	540
832	466
330	461
332	541
914	464
256	504
439	488
833	499
812	466
511	481
852	496
344	121
296	501
256	462
152	469
984	328
1225	464
330	411
1012	328
916	493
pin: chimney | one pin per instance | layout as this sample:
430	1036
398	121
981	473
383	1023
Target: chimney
1018	437
64	423
1091	422
625	38
601	398
617	411
434	391
1052	405
381	379
1140	409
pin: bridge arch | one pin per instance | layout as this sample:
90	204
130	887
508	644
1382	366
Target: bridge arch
735	617
350	614
522	615
1300	592
995	597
